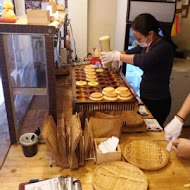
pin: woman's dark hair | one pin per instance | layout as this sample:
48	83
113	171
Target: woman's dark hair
144	23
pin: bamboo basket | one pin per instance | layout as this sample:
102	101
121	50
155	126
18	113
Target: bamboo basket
146	155
119	175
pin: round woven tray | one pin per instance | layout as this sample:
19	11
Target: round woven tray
146	155
119	175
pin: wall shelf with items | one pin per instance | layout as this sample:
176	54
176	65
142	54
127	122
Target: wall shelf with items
182	7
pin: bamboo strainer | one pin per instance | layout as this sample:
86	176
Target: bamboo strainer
146	155
119	175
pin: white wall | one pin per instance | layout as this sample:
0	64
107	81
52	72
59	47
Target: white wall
120	24
101	17
77	11
101	21
182	39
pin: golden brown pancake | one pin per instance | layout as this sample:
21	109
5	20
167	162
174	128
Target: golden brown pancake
110	96
108	89
81	83
89	70
90	73
89	67
96	96
99	70
120	89
91	79
125	95
91	76
93	83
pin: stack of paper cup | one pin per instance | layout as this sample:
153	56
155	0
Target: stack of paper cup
105	46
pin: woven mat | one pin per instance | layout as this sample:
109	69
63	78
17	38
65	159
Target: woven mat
119	175
146	155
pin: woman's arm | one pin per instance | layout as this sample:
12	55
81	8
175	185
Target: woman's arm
145	61
173	129
127	58
184	110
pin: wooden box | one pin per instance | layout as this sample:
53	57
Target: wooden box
111	156
38	17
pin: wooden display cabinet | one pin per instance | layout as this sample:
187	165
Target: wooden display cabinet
27	68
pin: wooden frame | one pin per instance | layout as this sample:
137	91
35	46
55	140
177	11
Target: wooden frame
9	104
178	6
30	91
50	76
185	11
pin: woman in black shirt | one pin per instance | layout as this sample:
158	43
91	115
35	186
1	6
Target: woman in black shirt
154	55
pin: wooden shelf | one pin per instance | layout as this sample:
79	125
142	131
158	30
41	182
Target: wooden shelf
30	91
22	26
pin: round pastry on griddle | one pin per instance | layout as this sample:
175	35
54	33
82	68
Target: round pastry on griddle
99	70
120	89
108	89
89	70
81	83
89	67
125	95
93	83
96	96
111	96
91	78
90	73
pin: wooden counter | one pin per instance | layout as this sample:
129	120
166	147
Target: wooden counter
18	168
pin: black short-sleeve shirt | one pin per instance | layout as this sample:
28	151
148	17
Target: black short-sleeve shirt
156	65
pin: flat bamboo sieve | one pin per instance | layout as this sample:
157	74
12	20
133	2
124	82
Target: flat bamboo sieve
146	155
119	175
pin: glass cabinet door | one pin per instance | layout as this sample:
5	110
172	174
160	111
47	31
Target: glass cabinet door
26	63
4	128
